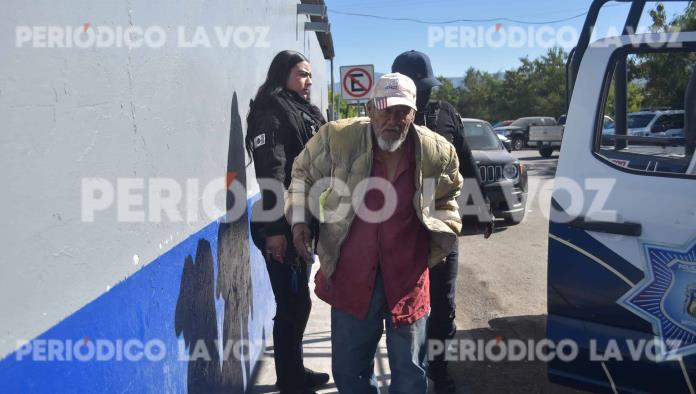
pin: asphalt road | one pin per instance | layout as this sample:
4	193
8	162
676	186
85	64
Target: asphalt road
501	292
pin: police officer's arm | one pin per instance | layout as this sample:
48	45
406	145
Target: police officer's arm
269	162
467	163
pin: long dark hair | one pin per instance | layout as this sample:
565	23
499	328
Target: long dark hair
276	79
278	73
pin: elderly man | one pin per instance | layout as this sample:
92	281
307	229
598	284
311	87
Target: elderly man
389	214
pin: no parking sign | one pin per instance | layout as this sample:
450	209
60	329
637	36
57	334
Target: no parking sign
357	82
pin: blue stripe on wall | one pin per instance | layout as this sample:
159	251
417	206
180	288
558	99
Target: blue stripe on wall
207	287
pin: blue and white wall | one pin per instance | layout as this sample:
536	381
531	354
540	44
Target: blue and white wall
74	117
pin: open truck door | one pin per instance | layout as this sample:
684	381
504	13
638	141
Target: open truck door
622	247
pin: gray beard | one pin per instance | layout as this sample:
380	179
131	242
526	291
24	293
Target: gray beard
390	146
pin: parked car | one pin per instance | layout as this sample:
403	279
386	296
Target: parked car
504	177
506	142
503	123
649	124
607	120
518	131
546	138
549	138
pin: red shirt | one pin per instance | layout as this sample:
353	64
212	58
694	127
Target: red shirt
397	245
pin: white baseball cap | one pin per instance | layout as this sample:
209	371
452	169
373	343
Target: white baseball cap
394	89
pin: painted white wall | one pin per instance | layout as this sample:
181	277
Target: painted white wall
69	114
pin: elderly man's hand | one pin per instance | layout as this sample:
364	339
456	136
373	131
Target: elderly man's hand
302	240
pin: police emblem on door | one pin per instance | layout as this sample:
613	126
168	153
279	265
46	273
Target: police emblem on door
666	297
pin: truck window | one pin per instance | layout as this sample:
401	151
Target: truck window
636	121
676	121
653	139
521	122
661	124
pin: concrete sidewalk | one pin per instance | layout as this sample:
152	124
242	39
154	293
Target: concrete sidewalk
317	350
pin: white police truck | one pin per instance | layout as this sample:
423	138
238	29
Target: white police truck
622	234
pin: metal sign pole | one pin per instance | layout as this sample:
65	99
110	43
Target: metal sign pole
340	107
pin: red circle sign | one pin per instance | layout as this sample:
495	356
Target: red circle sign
349	78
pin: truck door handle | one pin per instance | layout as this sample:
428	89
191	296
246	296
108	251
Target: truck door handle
625	228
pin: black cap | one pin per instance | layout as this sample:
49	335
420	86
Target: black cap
416	65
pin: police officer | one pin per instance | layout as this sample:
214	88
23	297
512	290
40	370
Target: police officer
280	122
441	117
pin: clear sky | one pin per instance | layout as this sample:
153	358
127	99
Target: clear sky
366	40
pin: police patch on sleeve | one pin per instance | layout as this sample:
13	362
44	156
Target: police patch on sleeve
260	140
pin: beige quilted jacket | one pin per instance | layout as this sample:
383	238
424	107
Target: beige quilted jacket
342	150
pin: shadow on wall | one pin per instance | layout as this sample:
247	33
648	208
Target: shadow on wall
196	316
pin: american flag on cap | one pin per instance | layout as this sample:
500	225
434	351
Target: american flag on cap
394	89
381	103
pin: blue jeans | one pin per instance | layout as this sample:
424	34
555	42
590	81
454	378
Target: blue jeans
354	344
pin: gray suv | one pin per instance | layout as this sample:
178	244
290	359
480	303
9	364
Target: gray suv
504	177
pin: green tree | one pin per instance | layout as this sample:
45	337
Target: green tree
446	92
480	95
665	75
686	21
535	88
659	17
346	110
636	97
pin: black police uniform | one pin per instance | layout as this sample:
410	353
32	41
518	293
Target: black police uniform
442	117
278	129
